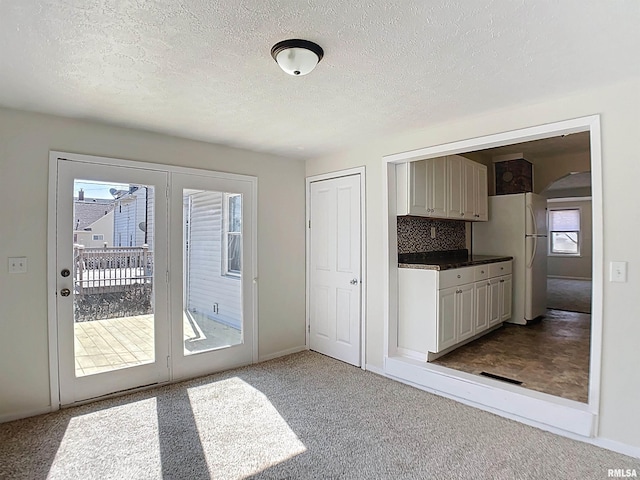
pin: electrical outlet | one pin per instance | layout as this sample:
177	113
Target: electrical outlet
433	232
17	264
618	272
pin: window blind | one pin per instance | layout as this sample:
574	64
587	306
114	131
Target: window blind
564	220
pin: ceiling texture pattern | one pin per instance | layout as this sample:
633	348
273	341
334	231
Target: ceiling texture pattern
202	69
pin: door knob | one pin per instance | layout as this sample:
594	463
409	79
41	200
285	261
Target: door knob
354	281
65	272
65	292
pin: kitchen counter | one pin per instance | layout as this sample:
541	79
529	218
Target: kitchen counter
446	260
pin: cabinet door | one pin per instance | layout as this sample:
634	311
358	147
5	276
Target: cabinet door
482	199
469	189
506	291
495	302
418	188
465	312
482	305
447	317
437	187
455	207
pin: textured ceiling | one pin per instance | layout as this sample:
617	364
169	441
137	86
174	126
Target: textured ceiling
202	68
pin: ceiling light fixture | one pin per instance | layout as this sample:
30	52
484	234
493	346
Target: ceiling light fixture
297	57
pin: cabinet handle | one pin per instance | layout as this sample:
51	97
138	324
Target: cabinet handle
481	271
458	276
462	214
501	281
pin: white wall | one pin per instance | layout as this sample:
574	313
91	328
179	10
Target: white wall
619	106
25	141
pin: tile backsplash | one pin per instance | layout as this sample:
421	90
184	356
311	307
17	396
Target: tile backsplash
414	235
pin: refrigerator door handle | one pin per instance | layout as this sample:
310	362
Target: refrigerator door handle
534	224
533	252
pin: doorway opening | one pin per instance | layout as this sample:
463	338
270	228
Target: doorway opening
478	388
551	355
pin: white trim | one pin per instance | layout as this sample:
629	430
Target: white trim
614	446
550	253
489	396
282	353
361	171
598	442
506	400
376	370
10	417
568	199
54	381
563	277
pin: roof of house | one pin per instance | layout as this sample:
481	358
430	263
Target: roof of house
89	210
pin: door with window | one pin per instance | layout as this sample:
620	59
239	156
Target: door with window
154	274
111	298
211	254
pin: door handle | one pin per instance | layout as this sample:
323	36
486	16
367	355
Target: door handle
65	292
354	281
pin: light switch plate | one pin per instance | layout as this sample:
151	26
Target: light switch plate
618	272
17	264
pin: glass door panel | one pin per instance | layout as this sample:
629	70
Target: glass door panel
212	254
111	304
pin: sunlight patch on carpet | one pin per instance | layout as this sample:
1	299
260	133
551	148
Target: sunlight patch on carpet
244	436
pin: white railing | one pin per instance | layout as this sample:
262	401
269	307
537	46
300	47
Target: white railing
109	269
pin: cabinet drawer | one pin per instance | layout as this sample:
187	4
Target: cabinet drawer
497	269
481	272
455	276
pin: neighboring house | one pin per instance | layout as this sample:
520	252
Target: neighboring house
93	221
133	219
212	256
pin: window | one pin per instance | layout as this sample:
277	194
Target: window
564	231
97	237
232	252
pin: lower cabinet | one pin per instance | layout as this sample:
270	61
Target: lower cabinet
435	313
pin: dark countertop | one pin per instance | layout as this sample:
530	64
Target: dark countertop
446	260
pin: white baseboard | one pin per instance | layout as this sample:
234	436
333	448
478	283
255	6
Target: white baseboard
562	277
617	447
282	353
374	369
10	417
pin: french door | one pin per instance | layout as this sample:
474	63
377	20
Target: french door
154	274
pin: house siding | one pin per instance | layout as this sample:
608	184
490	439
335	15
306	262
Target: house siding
206	283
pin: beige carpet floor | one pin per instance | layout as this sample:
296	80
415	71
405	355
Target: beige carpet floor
569	295
304	416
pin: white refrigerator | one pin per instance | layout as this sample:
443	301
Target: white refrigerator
517	227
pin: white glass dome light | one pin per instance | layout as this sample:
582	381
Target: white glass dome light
297	57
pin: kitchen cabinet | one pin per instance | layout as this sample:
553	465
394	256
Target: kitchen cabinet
422	188
444	187
439	310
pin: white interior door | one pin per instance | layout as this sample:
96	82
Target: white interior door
213	272
335	268
111	288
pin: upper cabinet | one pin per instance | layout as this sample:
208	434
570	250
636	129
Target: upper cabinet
443	187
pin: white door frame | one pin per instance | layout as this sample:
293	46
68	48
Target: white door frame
539	409
252	272
361	171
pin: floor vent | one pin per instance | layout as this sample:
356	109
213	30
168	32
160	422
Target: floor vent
499	377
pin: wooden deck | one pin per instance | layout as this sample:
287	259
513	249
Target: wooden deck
104	345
